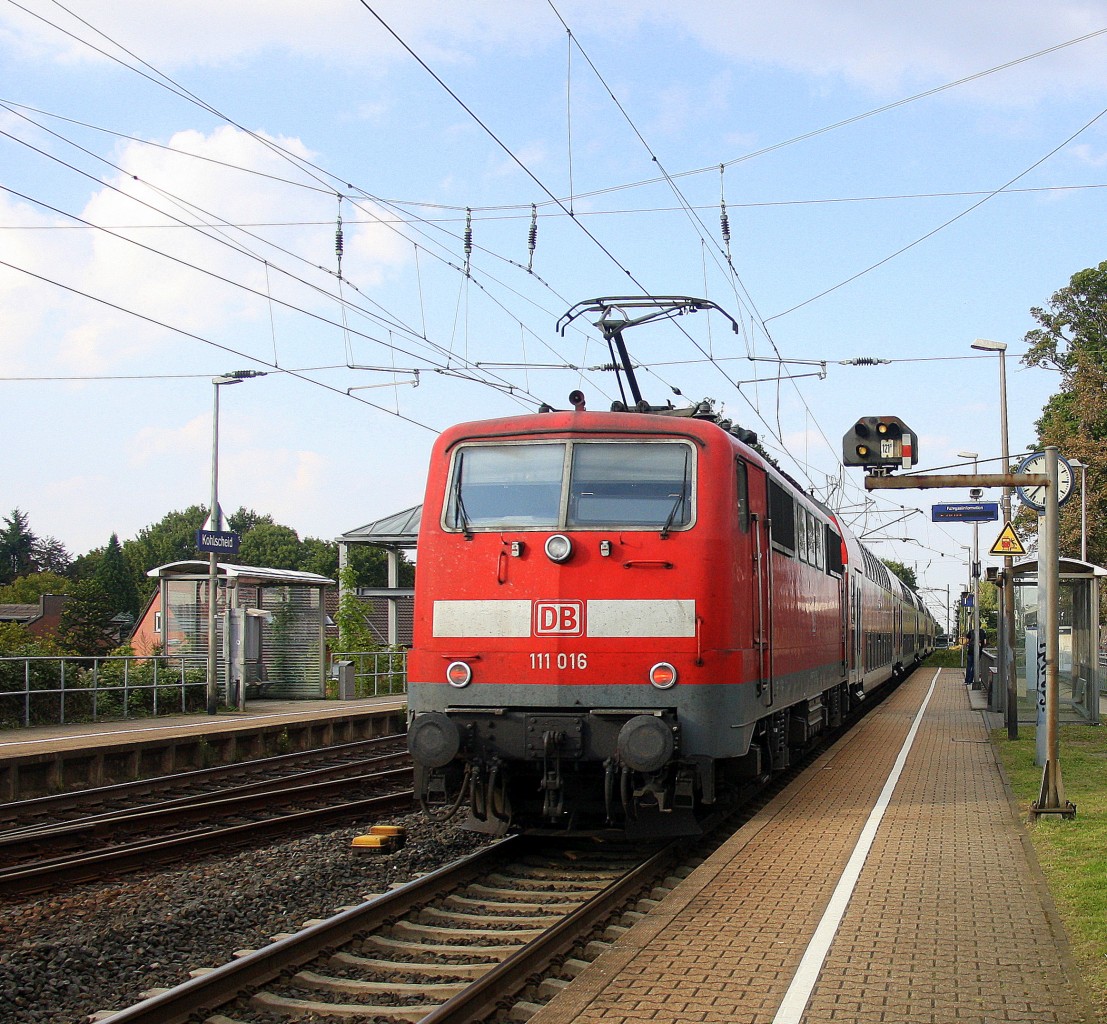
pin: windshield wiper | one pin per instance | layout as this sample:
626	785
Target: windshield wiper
679	501
461	515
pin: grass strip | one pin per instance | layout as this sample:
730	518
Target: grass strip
1072	853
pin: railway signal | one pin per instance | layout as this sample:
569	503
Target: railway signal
880	443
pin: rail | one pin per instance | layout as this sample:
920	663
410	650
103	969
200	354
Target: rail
49	689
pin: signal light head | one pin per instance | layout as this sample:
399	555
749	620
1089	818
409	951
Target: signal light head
884	442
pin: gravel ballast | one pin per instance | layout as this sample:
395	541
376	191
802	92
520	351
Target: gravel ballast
99	946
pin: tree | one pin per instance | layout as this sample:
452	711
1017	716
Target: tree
904	572
86	621
1071	339
17	547
171	539
28	589
271	545
51	555
117	580
319	556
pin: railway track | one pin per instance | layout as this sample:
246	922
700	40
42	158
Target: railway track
456	945
122	837
205	781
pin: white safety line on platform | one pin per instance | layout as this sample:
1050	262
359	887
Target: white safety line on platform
799	992
204	723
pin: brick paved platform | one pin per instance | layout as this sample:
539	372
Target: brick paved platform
949	922
49	759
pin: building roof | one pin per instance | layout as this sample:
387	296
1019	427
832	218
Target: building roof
242	573
399	530
19	612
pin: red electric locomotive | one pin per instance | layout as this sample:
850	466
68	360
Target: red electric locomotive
622	618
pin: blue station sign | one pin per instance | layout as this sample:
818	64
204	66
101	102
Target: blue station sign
965	512
221	542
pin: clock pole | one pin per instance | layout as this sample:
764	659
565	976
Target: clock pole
1051	798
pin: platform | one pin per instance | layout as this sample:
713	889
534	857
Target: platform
39	760
857	896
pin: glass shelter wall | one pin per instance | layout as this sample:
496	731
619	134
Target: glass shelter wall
1078	681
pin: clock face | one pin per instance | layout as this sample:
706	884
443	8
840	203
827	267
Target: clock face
1035	496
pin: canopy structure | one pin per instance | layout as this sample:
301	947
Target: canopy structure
395	533
269	625
1078	670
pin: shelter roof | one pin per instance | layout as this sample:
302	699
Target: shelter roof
242	573
399	530
1065	566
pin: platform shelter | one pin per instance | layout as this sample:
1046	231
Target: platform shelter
269	625
1079	675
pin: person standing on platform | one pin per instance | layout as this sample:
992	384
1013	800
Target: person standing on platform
970	654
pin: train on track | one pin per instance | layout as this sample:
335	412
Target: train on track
623	618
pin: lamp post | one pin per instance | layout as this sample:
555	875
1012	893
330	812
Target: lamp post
1083	467
967	548
1006	639
215	522
975	579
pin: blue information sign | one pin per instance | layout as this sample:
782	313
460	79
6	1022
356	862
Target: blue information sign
966	512
222	542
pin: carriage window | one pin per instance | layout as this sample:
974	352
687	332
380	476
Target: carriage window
581	484
801	536
812	558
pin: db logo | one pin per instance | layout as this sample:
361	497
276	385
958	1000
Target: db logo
559	618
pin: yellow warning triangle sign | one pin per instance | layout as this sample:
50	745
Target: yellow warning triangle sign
1008	543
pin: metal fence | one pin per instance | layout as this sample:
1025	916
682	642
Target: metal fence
53	690
375	674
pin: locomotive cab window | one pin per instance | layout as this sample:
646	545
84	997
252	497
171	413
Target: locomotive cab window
782	512
643	485
743	481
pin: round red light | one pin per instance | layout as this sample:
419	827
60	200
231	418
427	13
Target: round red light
458	674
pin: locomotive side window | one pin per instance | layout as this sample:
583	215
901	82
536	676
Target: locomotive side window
782	512
833	552
801	536
576	484
743	495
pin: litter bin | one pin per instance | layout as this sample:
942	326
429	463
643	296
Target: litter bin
344	673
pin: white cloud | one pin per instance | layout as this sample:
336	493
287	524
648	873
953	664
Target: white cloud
871	43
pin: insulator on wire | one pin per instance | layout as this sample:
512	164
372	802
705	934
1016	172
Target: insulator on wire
468	238
865	361
532	235
338	245
725	220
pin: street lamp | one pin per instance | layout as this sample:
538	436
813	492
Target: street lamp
215	523
1083	467
975	578
1006	639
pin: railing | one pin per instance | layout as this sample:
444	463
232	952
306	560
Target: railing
51	690
376	673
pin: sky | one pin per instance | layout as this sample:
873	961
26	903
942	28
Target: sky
897	182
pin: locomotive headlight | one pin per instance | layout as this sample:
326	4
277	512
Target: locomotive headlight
663	675
558	548
458	674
